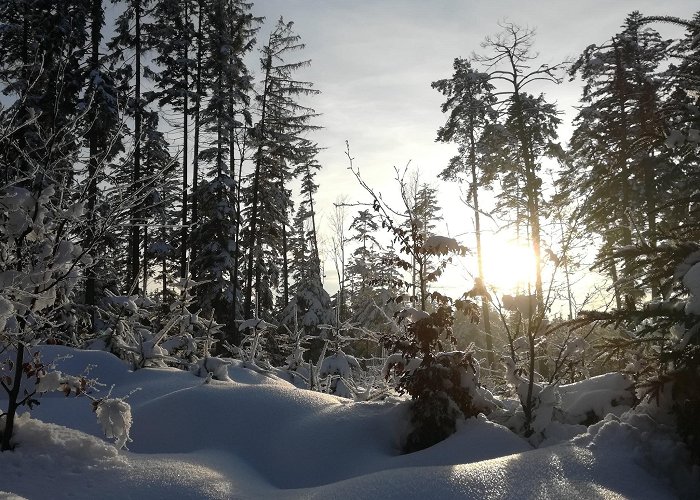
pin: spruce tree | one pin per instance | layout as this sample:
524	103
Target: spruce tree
171	35
283	120
619	166
228	34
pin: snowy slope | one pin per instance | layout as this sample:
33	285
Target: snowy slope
259	437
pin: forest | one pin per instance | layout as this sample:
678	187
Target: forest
159	215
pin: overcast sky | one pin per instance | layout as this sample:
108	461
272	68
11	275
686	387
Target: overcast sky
374	60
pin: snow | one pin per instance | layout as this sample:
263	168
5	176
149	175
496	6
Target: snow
254	323
691	280
257	436
411	314
114	415
601	395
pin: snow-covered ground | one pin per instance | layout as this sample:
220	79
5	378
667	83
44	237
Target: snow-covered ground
257	436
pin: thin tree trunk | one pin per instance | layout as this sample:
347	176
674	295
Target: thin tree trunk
136	178
285	265
479	253
13	398
254	207
197	107
185	151
95	39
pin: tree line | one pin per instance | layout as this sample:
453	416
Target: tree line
148	194
159	106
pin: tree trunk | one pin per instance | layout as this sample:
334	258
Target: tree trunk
13	398
185	148
197	107
479	253
135	253
95	39
254	208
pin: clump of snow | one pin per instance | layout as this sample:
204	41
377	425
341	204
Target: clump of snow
645	436
7	310
114	415
691	280
212	367
339	364
575	348
256	323
400	364
594	398
34	439
411	314
557	407
49	382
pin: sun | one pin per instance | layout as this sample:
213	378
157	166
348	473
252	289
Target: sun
509	266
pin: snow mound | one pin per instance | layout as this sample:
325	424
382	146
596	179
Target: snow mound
39	443
594	398
257	436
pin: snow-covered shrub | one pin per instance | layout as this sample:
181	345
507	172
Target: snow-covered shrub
444	386
147	333
212	367
252	348
114	416
40	264
580	403
669	325
338	369
123	328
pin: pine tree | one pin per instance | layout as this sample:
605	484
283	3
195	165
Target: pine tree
681	85
103	136
160	205
422	211
618	166
171	35
282	122
373	279
130	38
228	34
309	303
43	47
469	103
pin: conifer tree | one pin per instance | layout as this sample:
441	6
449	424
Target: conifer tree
228	34
618	167
309	303
469	103
277	133
103	136
43	47
171	34
130	40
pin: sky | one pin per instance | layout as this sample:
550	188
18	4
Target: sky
374	61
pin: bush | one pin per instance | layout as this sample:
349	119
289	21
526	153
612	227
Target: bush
444	386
